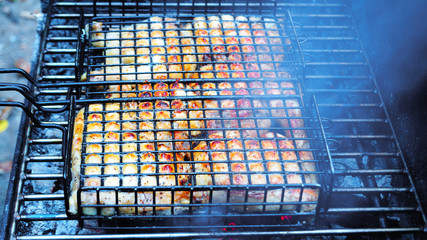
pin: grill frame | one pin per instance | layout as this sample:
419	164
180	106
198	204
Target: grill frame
330	12
295	65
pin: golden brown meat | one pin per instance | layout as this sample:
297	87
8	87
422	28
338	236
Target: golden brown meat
150	143
200	156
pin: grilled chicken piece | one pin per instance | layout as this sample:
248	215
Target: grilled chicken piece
222	70
249	51
202	42
121	51
220	179
290	165
225	89
177	89
196	114
164	155
271	156
161	89
146	137
94	138
236	156
232	43
129	171
97	34
180	114
143	50
221	166
248	124
118	135
275	41
263	49
156	50
174	61
229	111
279	110
255	159
192	89
209	90
109	197
214	22
206	71
199	156
146	169
145	90
213	117
200	22
156	23
187	46
217	41
203	49
251	114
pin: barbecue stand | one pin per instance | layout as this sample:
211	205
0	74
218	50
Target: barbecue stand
362	142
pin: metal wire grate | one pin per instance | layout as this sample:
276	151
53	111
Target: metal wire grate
162	153
363	144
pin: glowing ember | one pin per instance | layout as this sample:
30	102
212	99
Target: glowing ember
230	224
287	218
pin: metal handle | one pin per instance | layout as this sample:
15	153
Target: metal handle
31	100
329	163
20	72
67	148
36	121
26	91
81	45
298	42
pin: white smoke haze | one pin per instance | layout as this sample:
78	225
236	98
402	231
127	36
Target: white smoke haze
394	33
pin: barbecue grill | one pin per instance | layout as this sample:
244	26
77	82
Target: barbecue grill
358	158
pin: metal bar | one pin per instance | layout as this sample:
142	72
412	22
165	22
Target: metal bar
40	176
335	63
45	141
58	77
42	217
357	154
371	172
331	51
59	65
59	50
370	190
362	91
372	209
336	34
359	120
62	39
187	4
64	27
343	231
42	158
322	15
334	27
344	77
42	197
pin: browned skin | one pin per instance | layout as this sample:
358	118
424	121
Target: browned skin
225	53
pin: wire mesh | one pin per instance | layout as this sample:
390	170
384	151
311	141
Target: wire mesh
206	119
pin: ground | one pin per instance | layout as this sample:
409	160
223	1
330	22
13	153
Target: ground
17	34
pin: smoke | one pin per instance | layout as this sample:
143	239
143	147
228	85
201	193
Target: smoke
394	33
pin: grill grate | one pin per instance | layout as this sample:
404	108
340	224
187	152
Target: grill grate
218	98
371	179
